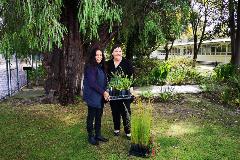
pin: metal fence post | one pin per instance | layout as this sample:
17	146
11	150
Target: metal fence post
10	76
18	87
6	58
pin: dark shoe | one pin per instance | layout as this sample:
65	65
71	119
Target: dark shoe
116	133
93	141
101	138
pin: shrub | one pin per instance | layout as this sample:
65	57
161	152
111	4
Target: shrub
37	74
224	71
143	68
184	75
160	73
177	62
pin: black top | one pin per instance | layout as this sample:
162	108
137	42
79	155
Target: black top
125	66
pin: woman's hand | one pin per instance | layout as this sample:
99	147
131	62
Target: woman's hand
106	96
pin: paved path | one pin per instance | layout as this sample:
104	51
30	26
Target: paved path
167	88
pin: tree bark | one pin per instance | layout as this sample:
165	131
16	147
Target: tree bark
167	50
237	43
232	29
130	47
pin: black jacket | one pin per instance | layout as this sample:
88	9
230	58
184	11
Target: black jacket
125	66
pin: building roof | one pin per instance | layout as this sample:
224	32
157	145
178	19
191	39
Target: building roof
204	42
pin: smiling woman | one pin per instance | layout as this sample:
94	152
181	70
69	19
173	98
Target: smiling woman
94	93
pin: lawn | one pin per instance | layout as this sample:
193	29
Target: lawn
187	127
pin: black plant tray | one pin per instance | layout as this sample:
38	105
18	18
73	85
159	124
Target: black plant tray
121	97
139	151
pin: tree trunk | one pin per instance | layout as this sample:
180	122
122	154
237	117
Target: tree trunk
71	58
232	29
167	50
130	47
237	43
195	48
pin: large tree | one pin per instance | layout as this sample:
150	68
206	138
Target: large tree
149	24
228	24
200	14
62	30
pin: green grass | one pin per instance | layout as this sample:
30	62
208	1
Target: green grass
193	129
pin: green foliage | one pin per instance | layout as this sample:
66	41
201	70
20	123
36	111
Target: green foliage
165	96
119	81
224	71
224	84
160	73
143	69
37	74
38	26
174	71
148	95
152	33
141	123
177	62
33	25
184	75
93	13
182	72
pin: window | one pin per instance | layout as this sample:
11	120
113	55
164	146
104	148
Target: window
213	49
224	48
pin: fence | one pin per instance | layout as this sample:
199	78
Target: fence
12	76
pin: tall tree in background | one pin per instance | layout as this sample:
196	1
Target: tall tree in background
64	27
149	24
229	25
200	15
174	22
234	25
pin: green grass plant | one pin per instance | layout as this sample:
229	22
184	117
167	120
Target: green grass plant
141	123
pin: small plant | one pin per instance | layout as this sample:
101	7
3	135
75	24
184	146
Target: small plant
120	82
120	85
165	96
147	95
141	123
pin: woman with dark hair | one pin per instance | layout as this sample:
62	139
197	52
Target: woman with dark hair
94	93
120	108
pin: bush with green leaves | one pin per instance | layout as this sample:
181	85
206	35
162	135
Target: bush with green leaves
177	62
160	73
148	95
141	123
165	96
37	74
143	68
224	71
184	75
177	70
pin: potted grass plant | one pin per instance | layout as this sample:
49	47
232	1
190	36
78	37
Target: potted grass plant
141	123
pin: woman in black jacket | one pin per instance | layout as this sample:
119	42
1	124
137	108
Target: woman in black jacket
94	93
120	108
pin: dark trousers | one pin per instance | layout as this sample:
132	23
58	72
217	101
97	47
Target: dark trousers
94	117
121	108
